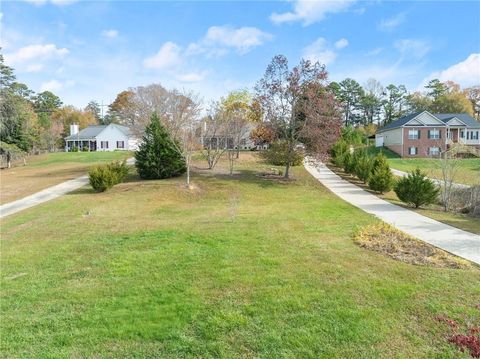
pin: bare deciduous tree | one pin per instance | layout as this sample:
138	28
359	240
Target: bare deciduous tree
287	97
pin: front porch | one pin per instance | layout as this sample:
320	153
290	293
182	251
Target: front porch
81	145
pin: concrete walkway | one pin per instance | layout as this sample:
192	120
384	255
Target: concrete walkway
438	182
461	243
46	194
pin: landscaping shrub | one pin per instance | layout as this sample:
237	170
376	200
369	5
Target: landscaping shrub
363	165
338	152
158	156
416	189
277	152
105	176
349	163
381	179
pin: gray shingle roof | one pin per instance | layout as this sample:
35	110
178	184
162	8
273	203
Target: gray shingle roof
399	123
444	117
464	117
93	131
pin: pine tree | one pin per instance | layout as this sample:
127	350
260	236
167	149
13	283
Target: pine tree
158	156
416	189
381	178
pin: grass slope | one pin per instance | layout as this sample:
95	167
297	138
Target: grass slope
468	173
50	169
240	267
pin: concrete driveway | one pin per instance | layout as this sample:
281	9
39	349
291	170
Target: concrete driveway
461	243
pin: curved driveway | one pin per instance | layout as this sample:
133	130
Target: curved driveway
461	243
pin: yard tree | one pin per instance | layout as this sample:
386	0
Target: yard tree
371	101
282	89
158	156
182	122
94	108
394	102
348	94
238	112
262	134
121	109
473	94
418	102
453	100
212	129
436	88
18	120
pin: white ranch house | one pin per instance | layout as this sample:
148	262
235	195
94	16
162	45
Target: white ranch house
110	137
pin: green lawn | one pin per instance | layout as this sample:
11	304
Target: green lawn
468	172
76	157
46	170
239	267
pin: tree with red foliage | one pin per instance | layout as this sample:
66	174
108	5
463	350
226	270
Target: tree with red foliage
262	134
298	106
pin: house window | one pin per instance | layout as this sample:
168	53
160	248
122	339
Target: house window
413	134
412	151
120	144
434	151
462	134
434	134
103	144
474	135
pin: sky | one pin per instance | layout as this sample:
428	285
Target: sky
88	50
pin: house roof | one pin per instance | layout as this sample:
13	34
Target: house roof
464	117
444	117
93	131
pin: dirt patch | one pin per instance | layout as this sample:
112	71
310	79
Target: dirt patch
388	240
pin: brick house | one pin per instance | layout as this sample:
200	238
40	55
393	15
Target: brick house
423	134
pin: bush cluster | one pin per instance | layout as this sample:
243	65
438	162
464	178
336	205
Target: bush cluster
374	171
277	154
105	176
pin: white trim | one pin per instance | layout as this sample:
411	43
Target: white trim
456	118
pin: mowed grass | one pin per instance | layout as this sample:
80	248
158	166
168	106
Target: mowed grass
434	211
239	267
468	171
49	169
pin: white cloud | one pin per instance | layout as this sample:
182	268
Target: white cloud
412	49
321	51
55	85
309	11
466	73
219	39
393	22
192	76
374	52
168	56
110	33
318	51
340	44
35	52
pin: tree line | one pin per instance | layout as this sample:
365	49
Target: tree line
32	122
374	103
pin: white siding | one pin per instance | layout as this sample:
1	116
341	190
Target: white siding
111	135
392	137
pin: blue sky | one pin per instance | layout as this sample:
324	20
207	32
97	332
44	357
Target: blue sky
85	50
